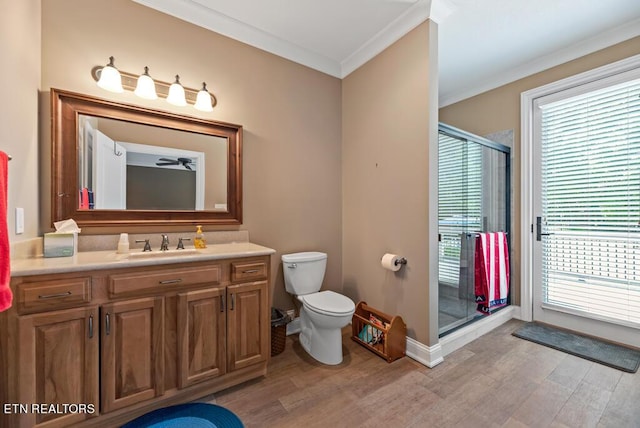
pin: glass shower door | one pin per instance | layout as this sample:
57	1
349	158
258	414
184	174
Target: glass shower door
459	197
472	198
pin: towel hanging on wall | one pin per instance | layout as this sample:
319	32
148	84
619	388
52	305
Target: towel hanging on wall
491	271
5	268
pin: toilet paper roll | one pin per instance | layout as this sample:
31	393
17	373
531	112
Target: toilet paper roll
391	262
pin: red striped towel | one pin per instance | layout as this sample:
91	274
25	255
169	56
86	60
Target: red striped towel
491	271
5	267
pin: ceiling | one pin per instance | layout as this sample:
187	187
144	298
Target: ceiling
482	44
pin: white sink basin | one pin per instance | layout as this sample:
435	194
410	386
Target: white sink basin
169	253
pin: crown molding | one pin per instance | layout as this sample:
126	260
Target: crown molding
197	14
411	18
584	47
436	10
441	9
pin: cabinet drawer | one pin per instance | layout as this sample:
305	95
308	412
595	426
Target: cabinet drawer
159	280
54	294
249	270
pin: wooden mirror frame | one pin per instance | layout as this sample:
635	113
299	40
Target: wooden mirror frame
66	107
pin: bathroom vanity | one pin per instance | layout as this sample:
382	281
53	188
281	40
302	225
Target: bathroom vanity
107	338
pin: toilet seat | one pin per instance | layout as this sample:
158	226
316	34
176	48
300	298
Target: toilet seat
329	303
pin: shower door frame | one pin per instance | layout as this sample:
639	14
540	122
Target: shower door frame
468	137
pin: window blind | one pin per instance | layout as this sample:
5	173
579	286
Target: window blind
459	200
591	203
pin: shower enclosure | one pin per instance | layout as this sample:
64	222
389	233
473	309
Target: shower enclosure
473	197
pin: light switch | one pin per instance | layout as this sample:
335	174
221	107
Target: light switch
19	221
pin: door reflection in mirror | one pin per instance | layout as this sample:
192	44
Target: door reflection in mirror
128	166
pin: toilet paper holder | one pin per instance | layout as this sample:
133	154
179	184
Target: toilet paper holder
400	261
393	262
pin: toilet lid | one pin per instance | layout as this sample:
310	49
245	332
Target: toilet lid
329	302
309	256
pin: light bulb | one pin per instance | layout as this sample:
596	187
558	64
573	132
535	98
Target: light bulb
146	87
176	94
110	78
203	101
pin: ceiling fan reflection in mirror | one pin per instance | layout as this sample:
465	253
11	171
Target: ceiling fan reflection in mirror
185	162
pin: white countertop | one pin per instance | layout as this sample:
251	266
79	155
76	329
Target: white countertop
94	260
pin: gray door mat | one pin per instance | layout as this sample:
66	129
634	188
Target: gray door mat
609	354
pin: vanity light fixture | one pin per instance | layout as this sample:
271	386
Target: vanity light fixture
110	78
144	86
203	101
176	94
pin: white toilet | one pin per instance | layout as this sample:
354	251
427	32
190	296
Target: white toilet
323	313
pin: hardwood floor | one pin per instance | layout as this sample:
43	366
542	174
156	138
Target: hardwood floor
496	381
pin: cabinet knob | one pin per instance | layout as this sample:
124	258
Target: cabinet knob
90	326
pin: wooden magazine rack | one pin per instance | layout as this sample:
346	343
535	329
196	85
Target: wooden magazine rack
382	334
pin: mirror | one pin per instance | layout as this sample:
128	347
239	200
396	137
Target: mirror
136	166
123	165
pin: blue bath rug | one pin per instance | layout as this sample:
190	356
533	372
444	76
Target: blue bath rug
191	415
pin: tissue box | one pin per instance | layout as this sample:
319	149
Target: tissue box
60	244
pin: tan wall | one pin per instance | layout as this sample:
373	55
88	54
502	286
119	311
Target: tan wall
20	74
385	139
499	110
290	113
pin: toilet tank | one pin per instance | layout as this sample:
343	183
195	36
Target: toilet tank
304	272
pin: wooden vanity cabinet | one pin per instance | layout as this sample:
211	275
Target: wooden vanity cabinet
57	364
248	340
221	330
112	340
132	343
201	335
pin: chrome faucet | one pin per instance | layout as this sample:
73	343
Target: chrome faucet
181	244
165	243
147	246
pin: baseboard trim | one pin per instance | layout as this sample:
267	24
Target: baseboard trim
468	334
517	313
429	356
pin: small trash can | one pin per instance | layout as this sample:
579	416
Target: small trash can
279	321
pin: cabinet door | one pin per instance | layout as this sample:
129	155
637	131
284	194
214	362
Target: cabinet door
132	364
249	325
58	365
201	335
